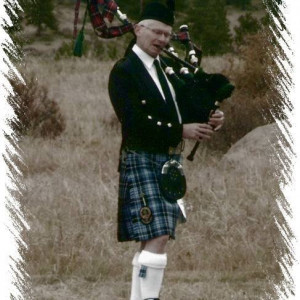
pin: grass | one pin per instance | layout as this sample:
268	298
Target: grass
181	286
228	248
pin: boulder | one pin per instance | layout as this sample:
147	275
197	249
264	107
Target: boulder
259	149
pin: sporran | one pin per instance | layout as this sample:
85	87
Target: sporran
172	181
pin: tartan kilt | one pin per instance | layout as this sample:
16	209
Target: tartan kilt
139	174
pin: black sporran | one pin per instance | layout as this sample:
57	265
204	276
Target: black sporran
172	181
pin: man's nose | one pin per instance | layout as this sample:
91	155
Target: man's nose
163	38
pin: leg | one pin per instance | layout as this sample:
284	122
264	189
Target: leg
153	261
135	283
156	245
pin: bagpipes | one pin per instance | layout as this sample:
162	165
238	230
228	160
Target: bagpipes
203	92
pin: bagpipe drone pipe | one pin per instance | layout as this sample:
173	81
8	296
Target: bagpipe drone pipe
202	92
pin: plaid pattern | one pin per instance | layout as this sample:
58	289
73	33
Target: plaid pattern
143	271
96	17
109	10
77	7
184	38
115	31
139	173
99	25
101	2
181	36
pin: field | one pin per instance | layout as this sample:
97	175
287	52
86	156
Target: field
227	248
230	248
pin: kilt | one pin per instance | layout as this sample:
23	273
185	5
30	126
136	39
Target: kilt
139	175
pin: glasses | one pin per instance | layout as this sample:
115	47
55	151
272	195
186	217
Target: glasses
159	32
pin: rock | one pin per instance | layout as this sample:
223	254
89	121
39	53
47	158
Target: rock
259	149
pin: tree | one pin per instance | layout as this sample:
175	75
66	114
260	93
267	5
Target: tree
40	13
131	8
14	49
248	25
141	5
209	26
239	3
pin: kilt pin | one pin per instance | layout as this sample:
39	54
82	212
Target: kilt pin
149	128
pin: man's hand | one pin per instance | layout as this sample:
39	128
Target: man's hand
216	120
197	131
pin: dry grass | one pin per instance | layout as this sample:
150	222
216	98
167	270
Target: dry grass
181	285
230	246
226	250
36	114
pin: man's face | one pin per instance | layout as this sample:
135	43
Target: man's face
152	36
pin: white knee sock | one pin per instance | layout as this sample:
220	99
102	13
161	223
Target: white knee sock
135	283
152	273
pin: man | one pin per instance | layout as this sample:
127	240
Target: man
152	134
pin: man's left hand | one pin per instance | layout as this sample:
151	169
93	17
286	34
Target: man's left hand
216	120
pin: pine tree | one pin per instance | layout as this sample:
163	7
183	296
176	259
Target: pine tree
239	3
248	25
209	26
40	13
131	7
141	5
13	49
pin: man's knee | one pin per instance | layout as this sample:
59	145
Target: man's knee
157	245
162	240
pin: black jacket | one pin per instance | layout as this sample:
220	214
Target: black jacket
148	123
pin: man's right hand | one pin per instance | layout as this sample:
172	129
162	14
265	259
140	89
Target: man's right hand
197	131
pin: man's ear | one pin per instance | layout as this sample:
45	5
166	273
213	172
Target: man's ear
137	29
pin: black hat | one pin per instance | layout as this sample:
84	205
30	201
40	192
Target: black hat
159	12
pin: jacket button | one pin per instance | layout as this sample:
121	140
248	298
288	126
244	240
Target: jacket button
150	117
169	124
144	102
158	123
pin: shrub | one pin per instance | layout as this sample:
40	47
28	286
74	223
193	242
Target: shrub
243	4
65	50
256	100
248	25
40	14
36	114
210	26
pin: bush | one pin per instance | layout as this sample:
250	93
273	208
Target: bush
256	100
248	25
243	4
40	14
65	50
210	26
36	114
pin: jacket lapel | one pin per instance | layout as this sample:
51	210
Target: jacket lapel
144	79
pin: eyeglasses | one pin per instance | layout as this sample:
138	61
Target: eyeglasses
159	32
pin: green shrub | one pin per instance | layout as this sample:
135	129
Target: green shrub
65	50
243	4
40	14
97	48
210	26
248	25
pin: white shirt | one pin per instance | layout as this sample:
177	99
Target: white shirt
148	62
